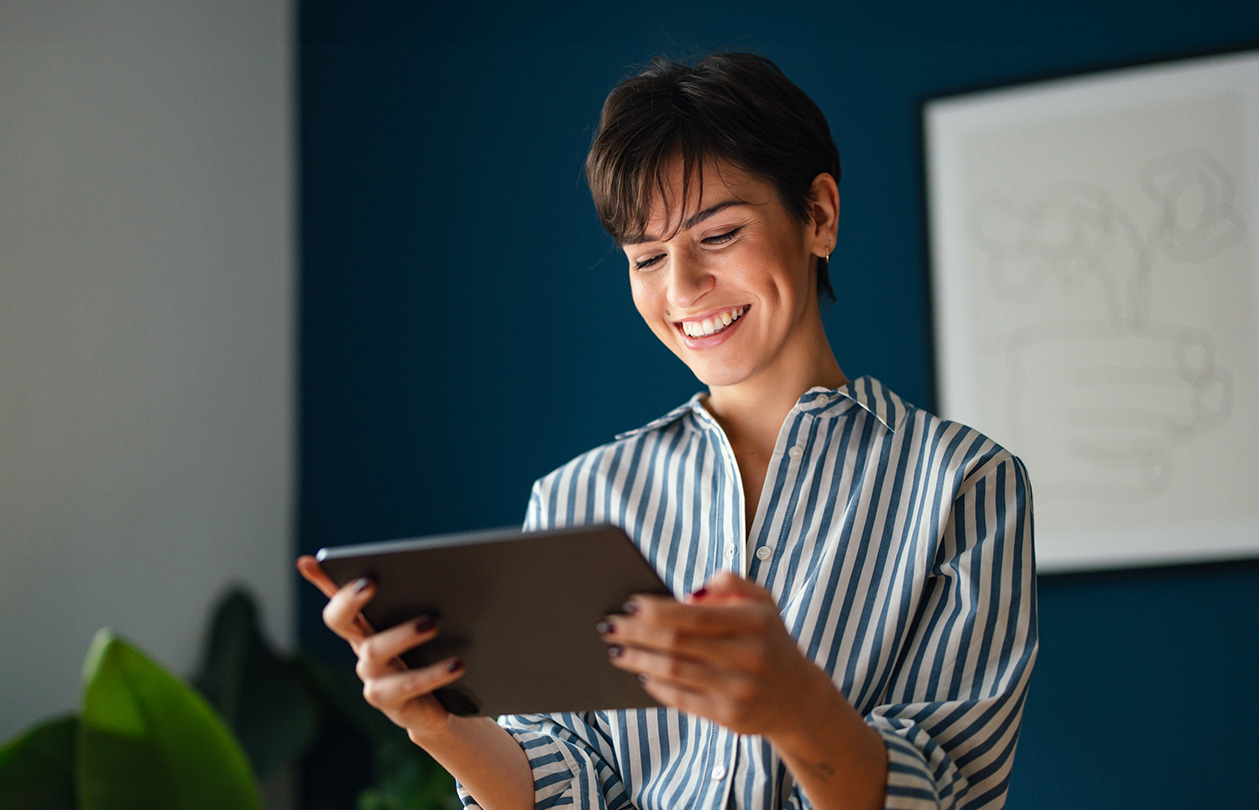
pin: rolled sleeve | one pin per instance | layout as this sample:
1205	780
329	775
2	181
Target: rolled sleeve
567	756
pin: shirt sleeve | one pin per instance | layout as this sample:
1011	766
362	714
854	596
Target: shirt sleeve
569	757
962	678
956	696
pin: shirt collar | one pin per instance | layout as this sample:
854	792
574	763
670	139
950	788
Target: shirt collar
871	395
865	392
694	404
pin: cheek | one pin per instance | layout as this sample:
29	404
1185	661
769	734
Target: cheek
651	307
640	299
646	301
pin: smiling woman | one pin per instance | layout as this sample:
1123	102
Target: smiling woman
858	625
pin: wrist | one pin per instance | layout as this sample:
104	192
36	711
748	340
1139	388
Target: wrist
435	736
816	707
830	749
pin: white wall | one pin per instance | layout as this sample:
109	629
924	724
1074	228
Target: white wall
147	281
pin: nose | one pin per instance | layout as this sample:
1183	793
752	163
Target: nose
689	280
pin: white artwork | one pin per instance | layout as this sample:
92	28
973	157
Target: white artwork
1095	268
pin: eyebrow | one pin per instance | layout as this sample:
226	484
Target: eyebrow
695	219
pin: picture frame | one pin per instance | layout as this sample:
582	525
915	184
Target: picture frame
1094	265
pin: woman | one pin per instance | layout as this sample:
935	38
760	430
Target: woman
860	625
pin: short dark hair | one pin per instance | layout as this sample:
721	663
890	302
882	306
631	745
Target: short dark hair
733	107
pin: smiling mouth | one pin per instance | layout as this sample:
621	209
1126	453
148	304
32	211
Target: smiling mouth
712	325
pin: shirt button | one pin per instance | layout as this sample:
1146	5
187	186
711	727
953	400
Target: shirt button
719	772
822	400
795	452
764	553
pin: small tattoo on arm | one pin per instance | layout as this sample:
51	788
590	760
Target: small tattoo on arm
819	770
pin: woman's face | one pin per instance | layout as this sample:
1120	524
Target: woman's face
730	293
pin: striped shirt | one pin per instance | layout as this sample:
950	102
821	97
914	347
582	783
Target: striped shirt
899	549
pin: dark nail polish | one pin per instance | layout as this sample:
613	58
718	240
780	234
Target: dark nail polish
615	651
362	584
424	624
700	593
603	628
455	665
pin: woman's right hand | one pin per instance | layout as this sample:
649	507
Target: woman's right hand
404	695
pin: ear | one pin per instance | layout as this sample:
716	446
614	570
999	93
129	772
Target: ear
825	214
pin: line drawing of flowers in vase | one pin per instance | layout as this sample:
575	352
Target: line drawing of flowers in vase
1114	390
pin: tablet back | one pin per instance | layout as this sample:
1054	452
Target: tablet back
519	608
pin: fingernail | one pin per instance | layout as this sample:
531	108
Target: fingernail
424	624
642	677
615	651
362	584
603	628
455	665
630	608
700	593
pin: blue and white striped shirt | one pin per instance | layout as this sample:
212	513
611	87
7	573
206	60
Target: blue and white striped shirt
899	548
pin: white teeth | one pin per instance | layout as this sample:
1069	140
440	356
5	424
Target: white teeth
713	325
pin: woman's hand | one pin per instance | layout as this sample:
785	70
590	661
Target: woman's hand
402	694
723	653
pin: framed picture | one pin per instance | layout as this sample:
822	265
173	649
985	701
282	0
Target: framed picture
1095	273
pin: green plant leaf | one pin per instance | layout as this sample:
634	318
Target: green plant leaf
267	701
37	767
147	740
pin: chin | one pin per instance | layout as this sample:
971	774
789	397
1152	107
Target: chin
718	377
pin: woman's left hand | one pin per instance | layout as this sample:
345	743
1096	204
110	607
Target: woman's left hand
723	653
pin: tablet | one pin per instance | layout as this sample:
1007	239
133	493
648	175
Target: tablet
520	608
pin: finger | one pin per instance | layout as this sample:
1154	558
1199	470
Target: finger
390	691
737	652
697	617
680	672
341	614
379	653
309	568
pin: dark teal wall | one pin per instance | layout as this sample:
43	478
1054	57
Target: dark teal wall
466	326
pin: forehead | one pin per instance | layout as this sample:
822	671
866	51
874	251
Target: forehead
676	196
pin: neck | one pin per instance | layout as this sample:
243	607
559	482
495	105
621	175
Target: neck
752	412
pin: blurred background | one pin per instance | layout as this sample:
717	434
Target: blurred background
280	275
